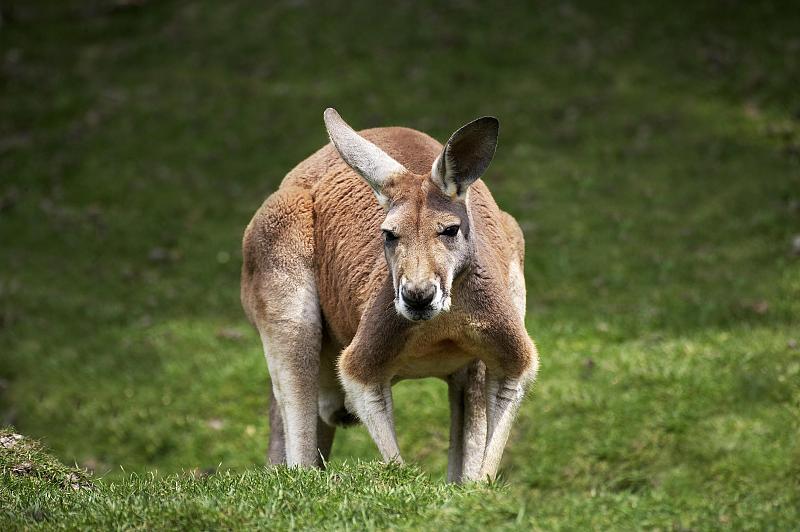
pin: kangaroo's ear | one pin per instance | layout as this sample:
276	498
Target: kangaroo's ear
371	162
466	156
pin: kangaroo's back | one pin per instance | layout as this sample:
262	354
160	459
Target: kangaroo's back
414	149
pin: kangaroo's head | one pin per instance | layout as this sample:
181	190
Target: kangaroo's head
427	233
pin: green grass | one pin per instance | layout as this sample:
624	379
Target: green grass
651	155
364	494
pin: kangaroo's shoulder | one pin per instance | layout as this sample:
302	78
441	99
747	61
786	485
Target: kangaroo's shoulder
515	235
277	248
497	226
280	234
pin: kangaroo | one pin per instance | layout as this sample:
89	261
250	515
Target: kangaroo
383	257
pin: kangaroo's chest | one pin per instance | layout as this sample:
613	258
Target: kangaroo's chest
439	348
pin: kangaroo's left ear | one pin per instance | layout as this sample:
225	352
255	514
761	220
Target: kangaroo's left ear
466	156
372	163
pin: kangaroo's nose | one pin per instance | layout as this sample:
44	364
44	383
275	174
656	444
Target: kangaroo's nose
418	296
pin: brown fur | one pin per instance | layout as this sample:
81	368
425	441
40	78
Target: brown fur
331	203
324	222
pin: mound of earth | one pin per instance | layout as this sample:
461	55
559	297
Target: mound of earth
22	457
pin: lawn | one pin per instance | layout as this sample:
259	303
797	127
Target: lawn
651	155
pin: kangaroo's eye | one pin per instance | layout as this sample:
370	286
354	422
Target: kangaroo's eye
389	236
451	230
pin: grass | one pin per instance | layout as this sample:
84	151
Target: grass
651	155
345	495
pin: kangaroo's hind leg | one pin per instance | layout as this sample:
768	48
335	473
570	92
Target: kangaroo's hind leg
276	455
330	399
280	297
467	422
277	439
291	347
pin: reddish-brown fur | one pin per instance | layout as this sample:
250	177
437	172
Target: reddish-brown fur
322	227
345	246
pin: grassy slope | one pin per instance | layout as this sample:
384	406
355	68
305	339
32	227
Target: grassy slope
37	491
651	157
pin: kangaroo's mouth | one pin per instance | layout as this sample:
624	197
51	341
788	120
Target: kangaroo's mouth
419	314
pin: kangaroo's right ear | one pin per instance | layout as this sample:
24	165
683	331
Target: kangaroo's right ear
371	162
466	156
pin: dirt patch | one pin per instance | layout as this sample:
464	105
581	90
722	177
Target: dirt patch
23	457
